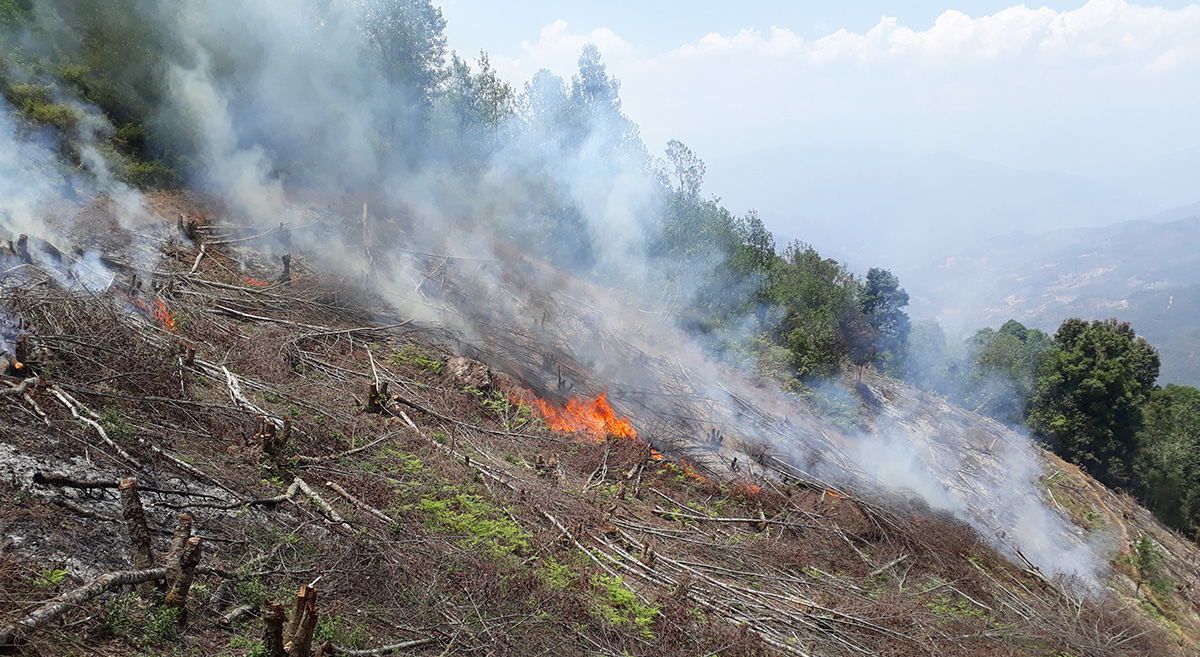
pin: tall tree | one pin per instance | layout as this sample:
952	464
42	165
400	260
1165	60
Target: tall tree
1088	395
1168	460
408	42
685	169
998	377
882	301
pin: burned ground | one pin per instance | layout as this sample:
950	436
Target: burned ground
446	517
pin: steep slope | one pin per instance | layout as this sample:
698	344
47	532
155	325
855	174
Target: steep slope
445	516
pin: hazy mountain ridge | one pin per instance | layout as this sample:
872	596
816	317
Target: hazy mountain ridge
913	209
1146	272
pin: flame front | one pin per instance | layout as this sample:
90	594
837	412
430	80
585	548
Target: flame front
158	311
594	418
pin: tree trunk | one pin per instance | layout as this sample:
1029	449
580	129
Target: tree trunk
273	618
135	525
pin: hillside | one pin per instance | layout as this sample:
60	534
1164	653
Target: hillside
1144	272
466	510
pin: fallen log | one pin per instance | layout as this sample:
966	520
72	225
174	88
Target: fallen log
10	635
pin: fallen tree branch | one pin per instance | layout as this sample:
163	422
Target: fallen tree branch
55	479
383	517
320	501
73	406
20	389
10	635
384	650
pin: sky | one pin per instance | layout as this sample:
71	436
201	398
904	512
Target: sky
1107	90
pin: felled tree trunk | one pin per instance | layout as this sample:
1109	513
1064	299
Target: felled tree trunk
10	636
273	618
177	596
135	525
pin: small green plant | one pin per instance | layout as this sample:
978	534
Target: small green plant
117	618
334	629
619	606
556	575
162	625
413	356
482	525
1149	560
115	424
49	577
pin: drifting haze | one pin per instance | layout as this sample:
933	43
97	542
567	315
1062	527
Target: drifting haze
1039	118
298	103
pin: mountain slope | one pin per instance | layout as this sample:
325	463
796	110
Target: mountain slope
445	516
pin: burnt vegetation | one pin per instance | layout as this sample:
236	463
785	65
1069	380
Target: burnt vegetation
444	519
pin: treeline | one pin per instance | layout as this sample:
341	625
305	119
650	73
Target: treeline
788	312
1089	393
543	166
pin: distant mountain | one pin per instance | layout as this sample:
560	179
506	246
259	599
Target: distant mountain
872	207
1145	272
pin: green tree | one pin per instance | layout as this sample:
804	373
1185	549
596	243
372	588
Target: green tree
885	334
1168	460
998	377
1089	392
928	362
407	40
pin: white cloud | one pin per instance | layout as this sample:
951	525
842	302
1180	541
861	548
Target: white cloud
968	84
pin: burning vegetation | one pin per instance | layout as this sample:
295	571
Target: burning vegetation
594	418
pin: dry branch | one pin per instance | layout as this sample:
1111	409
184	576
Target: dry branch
320	501
383	650
20	388
73	406
383	517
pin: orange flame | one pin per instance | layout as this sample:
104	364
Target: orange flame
593	418
258	282
158	311
686	468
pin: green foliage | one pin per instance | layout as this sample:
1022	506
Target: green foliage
162	625
1089	392
482	525
338	631
115	424
556	575
1168	460
881	300
619	606
49	577
1149	560
413	356
999	377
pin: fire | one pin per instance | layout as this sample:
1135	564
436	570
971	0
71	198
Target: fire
158	311
594	418
257	282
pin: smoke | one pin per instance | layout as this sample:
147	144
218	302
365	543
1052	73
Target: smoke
279	100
